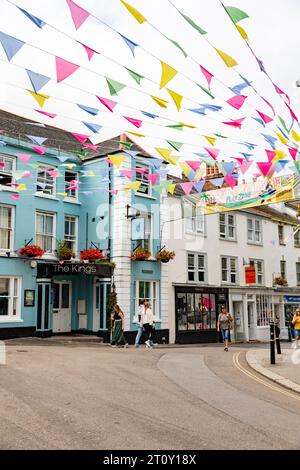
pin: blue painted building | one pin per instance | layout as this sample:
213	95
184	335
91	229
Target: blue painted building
46	296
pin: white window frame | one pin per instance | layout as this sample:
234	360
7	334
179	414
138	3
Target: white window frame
195	223
262	273
298	273
12	229
281	239
11	317
154	302
253	230
264	310
145	182
196	268
297	239
75	241
148	216
282	264
228	270
41	191
69	196
226	226
48	214
7	158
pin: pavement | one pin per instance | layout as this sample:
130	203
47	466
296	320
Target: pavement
286	371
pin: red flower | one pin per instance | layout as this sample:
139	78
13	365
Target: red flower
91	254
32	251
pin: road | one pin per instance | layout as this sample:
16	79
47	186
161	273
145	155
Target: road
89	396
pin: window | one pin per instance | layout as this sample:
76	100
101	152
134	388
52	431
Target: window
196	267
297	239
195	311
227	226
259	270
146	242
71	180
298	273
283	269
8	165
229	269
9	298
45	234
194	219
70	237
6	228
254	231
212	170
45	183
281	234
148	290
264	309
145	187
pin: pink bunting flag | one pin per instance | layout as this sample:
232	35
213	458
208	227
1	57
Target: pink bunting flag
207	75
64	68
90	52
245	166
187	187
264	167
293	152
15	196
264	117
79	15
109	104
282	93
239	160
15	185
27	174
91	146
235	122
53	173
2	164
237	101
153	177
136	122
212	152
128	173
112	191
194	165
81	137
270	154
291	112
140	170
40	150
50	115
23	157
269	104
230	181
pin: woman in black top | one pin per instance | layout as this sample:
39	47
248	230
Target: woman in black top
118	338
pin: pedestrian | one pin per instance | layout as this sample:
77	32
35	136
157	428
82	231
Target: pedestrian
223	325
296	324
147	321
141	309
118	338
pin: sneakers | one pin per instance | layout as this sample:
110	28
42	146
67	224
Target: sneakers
226	349
148	344
294	345
114	346
126	345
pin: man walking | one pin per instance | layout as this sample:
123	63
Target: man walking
141	309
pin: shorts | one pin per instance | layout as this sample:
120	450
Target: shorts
225	334
297	333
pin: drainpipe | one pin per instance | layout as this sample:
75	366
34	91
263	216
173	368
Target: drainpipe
86	231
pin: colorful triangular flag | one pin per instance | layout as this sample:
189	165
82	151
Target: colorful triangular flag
167	74
64	68
79	15
10	45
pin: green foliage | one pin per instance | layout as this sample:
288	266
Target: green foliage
110	305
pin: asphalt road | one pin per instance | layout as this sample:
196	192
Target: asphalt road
87	396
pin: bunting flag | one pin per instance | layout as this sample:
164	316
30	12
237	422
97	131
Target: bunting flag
23	157
218	182
185	168
172	188
264	117
37	80
109	104
270	139
237	89
116	160
291	112
40	98
40	150
187	187
207	75
269	104
10	45
162	103
293	152
136	122
128	173
227	59
235	123
199	186
136	76
177	98
212	152
91	146
236	101
228	167
230	181
92	111
39	23
135	185
54	173
134	12
152	177
282	139
282	122
80	137
280	92
167	74
36	139
64	68
176	145
295	136
132	45
236	14
92	127
150	115
209	139
270	154
14	196
90	52
245	166
193	24
79	15
242	32
166	154
114	86
178	47
194	165
264	167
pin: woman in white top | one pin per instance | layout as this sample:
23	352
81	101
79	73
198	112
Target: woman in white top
147	321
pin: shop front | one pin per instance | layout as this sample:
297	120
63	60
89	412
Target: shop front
196	311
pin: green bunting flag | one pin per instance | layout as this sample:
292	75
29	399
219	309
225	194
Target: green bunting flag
135	76
178	46
206	91
283	124
176	145
236	14
125	144
179	127
193	24
114	86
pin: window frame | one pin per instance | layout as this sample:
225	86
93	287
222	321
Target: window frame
12	229
76	178
229	271
11	158
75	241
145	182
280	238
282	264
262	273
41	191
297	239
194	219
297	273
10	317
53	236
254	221
148	217
227	226
154	301
196	269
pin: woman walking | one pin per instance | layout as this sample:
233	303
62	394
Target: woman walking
118	338
224	321
296	324
147	320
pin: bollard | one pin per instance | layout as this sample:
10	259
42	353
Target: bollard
272	343
290	334
277	333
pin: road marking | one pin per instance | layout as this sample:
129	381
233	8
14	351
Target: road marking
257	379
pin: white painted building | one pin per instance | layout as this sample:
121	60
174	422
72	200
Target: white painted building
208	271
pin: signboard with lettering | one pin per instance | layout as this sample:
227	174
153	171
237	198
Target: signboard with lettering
250	275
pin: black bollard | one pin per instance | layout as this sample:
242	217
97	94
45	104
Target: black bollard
290	334
272	343
277	333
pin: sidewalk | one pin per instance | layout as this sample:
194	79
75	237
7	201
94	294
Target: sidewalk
285	372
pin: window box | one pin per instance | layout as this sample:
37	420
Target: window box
32	251
92	255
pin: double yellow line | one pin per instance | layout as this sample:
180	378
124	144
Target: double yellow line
238	365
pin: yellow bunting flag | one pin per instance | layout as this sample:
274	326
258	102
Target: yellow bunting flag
176	98
135	185
282	139
199	175
295	136
70	165
187	125
280	154
22	187
185	168
167	73
135	13
166	154
116	160
62	194
172	188
160	102
40	98
242	32
211	140
229	61
135	133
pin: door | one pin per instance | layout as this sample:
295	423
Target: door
251	325
99	318
61	307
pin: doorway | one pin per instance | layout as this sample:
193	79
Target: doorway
61	307
251	324
101	292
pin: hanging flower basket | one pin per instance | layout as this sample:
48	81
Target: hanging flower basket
91	255
31	251
63	252
280	281
165	256
140	255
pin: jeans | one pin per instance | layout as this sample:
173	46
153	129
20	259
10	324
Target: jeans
138	336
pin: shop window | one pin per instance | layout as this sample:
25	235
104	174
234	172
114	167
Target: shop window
195	311
10	298
264	310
